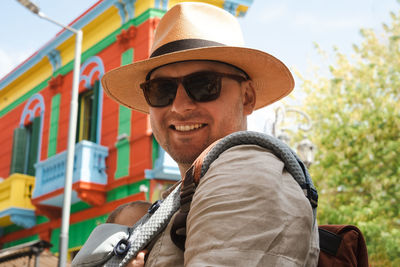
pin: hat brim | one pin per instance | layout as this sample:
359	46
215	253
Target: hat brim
272	80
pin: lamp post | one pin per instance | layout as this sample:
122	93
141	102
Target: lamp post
305	148
63	241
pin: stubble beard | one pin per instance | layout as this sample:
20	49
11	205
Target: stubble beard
185	154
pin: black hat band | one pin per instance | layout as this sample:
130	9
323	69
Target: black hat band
184	44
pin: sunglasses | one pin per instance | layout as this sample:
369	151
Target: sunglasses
200	86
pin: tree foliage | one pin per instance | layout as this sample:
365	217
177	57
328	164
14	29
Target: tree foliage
356	117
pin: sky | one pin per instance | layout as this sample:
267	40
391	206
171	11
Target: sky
286	29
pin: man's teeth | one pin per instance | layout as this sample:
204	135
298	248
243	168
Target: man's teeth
185	128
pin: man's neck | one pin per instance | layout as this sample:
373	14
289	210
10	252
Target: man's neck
183	168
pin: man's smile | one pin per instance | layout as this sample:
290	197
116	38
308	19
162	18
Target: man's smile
187	127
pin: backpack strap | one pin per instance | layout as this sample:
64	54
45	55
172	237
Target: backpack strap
193	175
329	242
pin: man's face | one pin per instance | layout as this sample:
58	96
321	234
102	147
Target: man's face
186	127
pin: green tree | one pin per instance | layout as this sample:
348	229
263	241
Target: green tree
356	115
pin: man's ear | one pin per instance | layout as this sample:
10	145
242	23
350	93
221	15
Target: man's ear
249	97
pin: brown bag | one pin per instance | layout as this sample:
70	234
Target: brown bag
342	245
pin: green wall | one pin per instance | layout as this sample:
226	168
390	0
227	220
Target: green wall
124	129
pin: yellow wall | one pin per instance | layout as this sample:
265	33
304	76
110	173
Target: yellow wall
93	33
142	6
24	83
218	3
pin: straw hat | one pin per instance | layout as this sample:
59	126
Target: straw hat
198	31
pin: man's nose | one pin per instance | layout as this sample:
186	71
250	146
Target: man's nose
182	101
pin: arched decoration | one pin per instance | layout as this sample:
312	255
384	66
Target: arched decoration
121	11
34	108
231	7
130	8
126	9
55	59
161	4
92	70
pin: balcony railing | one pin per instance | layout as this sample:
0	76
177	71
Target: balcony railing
15	201
88	175
164	167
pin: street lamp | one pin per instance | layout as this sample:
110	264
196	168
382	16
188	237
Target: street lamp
305	148
63	241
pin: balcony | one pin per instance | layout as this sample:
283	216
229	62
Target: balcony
89	178
15	201
165	168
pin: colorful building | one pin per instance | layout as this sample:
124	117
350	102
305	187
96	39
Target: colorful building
117	160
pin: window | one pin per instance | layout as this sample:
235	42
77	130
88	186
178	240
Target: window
25	148
87	114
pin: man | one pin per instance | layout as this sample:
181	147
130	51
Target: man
199	85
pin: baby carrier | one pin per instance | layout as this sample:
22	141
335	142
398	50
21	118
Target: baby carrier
115	245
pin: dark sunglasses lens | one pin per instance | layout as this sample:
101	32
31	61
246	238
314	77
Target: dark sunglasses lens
203	87
161	92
